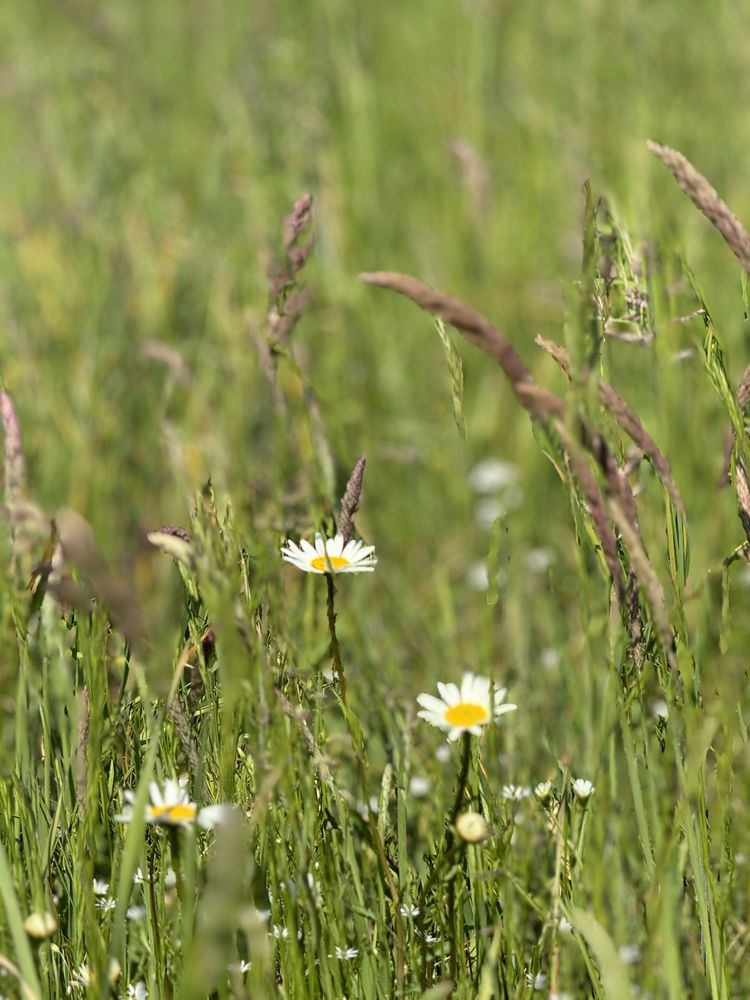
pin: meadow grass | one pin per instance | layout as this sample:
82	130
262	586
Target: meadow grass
188	346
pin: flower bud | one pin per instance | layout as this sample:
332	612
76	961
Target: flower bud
472	827
40	926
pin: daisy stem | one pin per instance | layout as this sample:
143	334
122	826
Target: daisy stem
422	899
462	778
338	668
154	921
449	850
449	839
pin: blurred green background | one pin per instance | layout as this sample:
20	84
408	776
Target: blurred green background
150	152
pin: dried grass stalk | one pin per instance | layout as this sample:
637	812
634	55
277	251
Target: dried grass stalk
627	419
82	742
540	403
742	486
596	510
648	581
478	330
350	499
743	397
15	465
182	728
705	197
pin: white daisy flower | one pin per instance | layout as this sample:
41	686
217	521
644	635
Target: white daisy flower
582	789
172	807
330	555
465	709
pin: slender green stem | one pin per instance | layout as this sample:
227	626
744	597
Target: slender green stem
335	649
461	788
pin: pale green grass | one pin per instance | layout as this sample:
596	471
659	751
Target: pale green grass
150	154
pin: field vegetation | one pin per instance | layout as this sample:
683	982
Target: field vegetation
375	598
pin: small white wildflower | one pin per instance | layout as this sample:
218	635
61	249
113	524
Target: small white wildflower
79	979
543	791
242	967
564	926
443	753
538	560
101	888
344	954
488	510
476	576
582	789
330	555
515	793
105	904
660	709
136	912
419	786
137	991
538	981
170	879
492	474
139	878
408	910
464	710
549	658
629	954
280	933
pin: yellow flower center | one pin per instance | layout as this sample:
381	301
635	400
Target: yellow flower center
322	562
466	714
181	812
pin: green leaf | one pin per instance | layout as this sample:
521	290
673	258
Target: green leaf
612	970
